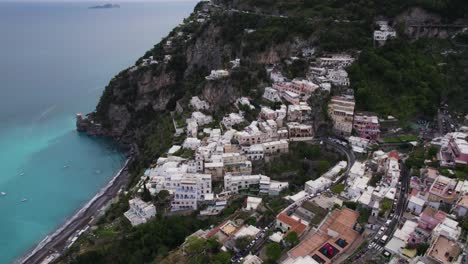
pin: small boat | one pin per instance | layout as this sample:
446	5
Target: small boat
3	193
65	166
24	200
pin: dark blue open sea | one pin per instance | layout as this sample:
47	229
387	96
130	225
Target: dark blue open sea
55	60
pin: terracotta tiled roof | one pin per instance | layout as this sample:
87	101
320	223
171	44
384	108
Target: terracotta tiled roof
340	221
295	224
394	154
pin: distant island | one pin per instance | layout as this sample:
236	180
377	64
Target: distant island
105	6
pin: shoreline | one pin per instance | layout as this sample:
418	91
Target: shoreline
56	241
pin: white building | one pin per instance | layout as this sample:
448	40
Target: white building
232	119
246	102
191	143
357	170
385	32
272	95
252	203
217	74
416	205
234	184
139	212
188	190
255	152
358	144
317	185
276	147
192	127
336	60
335	170
357	186
448	228
201	118
198	104
173	149
338	77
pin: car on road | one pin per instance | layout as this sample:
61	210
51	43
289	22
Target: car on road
384	238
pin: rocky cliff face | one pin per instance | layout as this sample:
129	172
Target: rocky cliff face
197	47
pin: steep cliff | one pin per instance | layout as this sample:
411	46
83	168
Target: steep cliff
210	38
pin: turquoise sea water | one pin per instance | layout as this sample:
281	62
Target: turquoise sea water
55	60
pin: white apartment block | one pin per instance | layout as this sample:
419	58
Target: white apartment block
139	212
318	185
275	147
188	190
336	60
234	184
255	152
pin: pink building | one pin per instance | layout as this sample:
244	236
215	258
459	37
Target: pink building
367	126
430	218
455	151
301	87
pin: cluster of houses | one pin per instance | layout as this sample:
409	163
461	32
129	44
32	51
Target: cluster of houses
225	155
435	203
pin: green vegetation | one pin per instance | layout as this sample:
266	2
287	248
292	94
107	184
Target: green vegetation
242	242
304	161
364	214
144	243
385	206
201	251
416	158
185	153
350	205
401	139
403	74
375	179
273	251
319	212
337	189
291	239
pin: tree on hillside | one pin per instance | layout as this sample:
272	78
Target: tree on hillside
291	239
273	251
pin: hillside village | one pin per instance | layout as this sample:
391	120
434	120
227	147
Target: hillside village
371	208
390	194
